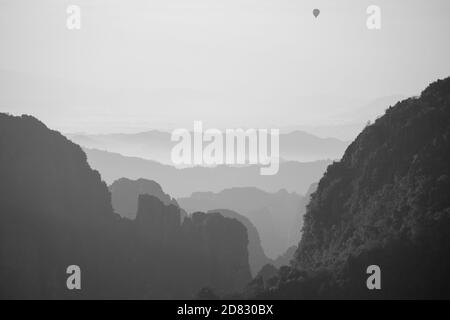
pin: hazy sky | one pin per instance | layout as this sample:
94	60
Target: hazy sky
137	64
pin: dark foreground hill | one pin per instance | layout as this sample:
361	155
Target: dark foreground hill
386	203
55	212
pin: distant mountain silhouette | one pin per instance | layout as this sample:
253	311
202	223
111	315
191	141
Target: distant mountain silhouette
151	145
125	194
276	216
373	109
385	203
292	176
348	124
157	145
302	146
56	211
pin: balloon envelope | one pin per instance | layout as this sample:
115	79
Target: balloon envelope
316	12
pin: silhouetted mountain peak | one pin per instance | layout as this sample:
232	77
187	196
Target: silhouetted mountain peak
257	256
277	216
125	194
385	203
438	89
155	212
408	143
70	186
56	212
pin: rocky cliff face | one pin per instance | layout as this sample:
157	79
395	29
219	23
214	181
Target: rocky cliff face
257	257
385	203
221	246
44	172
125	194
52	209
391	185
55	211
210	249
277	216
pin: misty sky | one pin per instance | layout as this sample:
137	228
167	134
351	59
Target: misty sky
142	64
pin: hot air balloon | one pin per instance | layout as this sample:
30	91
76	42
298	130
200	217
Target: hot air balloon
316	12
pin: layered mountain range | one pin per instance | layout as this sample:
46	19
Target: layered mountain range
157	145
385	203
292	175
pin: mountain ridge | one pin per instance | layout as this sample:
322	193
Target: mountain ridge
293	176
156	145
385	203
